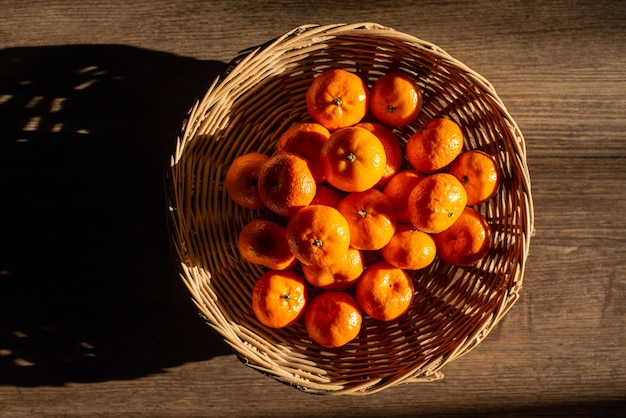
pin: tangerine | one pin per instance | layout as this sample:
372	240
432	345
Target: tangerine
436	202
395	99
264	242
409	248
241	181
398	190
384	292
435	146
371	218
305	139
286	183
339	275
337	98
478	173
393	150
326	195
467	241
353	159
318	235
279	298
333	319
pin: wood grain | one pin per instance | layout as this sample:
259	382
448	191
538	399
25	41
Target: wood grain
95	321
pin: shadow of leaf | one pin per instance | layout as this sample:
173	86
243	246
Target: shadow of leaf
88	289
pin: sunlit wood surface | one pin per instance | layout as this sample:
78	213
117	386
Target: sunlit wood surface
94	320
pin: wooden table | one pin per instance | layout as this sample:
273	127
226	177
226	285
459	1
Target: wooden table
94	320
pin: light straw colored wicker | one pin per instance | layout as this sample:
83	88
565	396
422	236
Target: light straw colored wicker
259	95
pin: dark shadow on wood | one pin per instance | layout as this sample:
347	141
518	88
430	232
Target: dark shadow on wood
88	288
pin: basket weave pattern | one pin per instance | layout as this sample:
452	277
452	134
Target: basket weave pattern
260	95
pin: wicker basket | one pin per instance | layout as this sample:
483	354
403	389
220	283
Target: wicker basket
258	96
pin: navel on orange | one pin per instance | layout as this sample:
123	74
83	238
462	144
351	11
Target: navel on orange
467	241
371	218
395	99
286	183
384	292
305	139
318	235
436	202
241	181
333	319
478	173
337	98
435	146
353	159
279	298
410	248
264	242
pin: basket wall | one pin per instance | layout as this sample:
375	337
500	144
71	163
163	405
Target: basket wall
246	109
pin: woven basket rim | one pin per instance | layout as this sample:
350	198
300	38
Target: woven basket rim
208	119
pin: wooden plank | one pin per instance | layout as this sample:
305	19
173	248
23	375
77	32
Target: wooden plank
115	332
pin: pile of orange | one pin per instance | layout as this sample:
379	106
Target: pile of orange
359	208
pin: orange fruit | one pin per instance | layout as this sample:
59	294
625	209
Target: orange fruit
467	241
264	242
395	99
337	98
325	195
339	275
384	292
333	319
353	159
371	218
436	202
398	190
393	150
478	173
409	248
279	298
286	183
242	178
435	146
318	235
305	139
